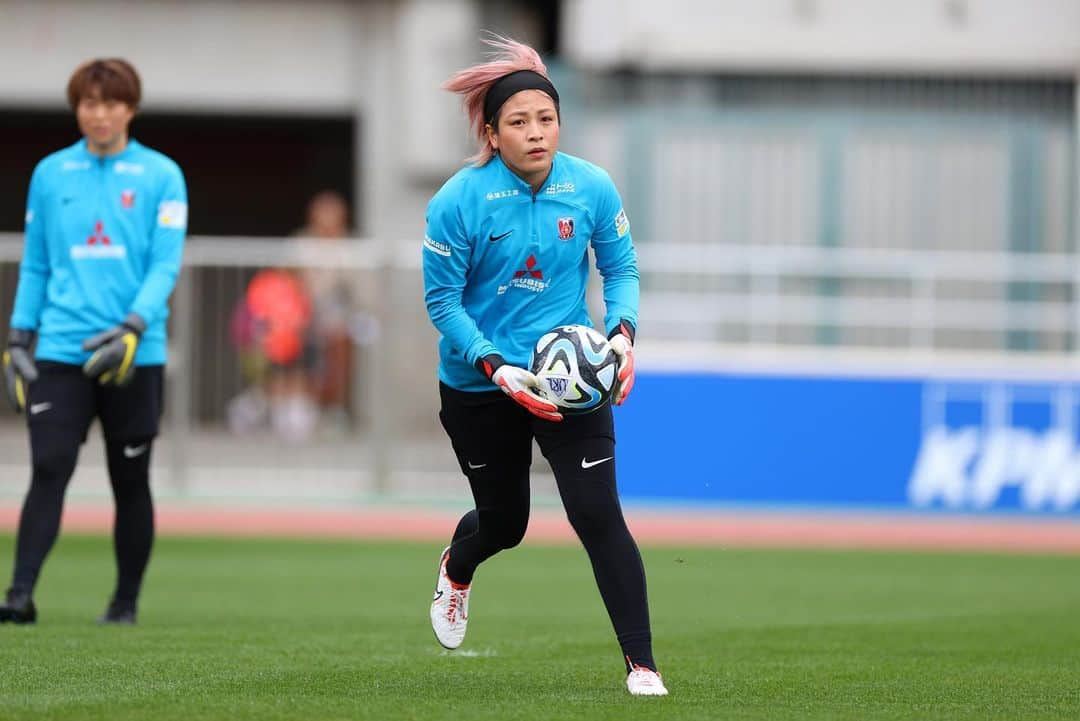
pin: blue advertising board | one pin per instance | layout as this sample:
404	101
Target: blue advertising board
998	445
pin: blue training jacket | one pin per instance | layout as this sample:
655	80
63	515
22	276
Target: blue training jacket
502	266
104	238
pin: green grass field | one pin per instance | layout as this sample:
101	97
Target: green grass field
303	630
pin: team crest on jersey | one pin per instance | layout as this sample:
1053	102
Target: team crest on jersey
566	228
127	199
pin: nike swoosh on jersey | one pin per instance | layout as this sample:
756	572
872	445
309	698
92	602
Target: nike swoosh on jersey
494	238
478	465
589	464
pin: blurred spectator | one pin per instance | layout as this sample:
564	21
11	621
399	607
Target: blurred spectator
332	302
270	328
292	329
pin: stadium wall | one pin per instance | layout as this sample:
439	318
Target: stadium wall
847	436
378	60
812	36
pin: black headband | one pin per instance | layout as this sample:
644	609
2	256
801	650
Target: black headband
501	90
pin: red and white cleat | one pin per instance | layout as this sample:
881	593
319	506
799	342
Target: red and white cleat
645	682
449	607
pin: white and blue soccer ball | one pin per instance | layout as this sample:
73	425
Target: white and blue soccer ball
576	368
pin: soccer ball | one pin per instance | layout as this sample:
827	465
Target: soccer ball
576	367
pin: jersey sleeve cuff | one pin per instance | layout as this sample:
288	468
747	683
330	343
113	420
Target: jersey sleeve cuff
490	363
626	328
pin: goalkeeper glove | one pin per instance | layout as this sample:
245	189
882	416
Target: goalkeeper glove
519	384
113	360
622	342
19	368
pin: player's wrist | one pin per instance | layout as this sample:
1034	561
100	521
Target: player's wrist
20	338
489	364
135	324
625	329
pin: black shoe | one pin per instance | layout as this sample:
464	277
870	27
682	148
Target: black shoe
18	608
120	613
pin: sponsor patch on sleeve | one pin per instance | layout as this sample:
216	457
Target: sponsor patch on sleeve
172	214
622	223
436	247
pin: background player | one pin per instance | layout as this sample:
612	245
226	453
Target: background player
105	225
505	260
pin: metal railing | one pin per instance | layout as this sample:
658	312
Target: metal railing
778	296
930	300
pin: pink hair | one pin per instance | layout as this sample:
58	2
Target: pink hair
474	82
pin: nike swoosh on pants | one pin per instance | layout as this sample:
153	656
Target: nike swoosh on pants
589	464
135	452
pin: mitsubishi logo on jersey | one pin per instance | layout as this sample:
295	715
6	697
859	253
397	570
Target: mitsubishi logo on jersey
98	245
99	235
528	278
530	269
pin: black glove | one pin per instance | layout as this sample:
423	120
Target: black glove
113	360
19	368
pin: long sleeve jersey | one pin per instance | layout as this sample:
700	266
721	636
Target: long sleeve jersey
504	265
104	238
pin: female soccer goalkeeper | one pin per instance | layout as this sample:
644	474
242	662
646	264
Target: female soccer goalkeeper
105	225
505	260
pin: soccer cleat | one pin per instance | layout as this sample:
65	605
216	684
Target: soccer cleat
18	608
449	607
642	681
118	613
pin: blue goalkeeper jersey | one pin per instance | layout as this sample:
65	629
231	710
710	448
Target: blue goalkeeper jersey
104	238
502	265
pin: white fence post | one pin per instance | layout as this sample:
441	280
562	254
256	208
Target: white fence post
179	372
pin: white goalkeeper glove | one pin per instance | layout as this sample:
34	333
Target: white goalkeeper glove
519	384
622	342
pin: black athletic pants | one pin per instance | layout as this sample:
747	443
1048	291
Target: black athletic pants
492	438
62	405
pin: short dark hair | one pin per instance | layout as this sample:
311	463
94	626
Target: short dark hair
115	78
